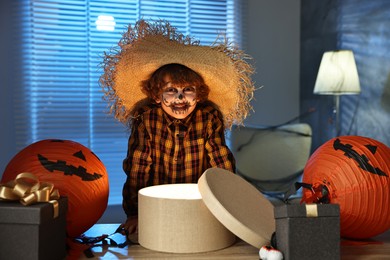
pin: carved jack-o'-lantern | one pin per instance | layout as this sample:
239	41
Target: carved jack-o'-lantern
354	172
74	170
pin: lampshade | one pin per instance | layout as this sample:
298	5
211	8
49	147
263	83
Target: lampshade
337	74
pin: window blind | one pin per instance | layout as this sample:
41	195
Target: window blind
63	43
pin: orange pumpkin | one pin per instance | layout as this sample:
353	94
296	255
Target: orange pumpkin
352	171
74	170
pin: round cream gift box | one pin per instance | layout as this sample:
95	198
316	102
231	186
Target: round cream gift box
173	218
192	218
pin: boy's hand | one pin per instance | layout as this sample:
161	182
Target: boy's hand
131	225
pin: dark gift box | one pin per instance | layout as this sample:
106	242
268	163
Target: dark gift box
308	231
32	232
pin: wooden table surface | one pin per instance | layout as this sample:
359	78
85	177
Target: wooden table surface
375	248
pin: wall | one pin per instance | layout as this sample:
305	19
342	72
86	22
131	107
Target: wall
6	69
364	27
272	37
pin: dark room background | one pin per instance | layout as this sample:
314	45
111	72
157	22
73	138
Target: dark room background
362	26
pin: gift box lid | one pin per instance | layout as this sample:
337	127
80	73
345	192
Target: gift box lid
13	212
306	210
238	205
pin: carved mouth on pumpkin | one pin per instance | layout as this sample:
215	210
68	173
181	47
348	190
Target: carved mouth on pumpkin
68	169
361	159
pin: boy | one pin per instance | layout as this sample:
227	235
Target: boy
177	98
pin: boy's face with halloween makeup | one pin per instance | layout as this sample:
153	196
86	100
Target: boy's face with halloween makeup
177	101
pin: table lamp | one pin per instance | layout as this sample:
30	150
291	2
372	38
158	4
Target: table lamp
337	76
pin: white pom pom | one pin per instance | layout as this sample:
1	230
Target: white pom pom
269	253
263	253
274	254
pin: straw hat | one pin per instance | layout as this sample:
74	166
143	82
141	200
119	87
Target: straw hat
149	45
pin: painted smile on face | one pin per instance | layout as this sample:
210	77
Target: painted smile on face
178	102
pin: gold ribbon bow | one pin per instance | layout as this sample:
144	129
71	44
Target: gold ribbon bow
28	190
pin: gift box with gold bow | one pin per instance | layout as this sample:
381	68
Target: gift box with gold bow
32	220
308	231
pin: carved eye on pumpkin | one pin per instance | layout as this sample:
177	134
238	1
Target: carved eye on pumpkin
354	170
74	170
371	148
79	155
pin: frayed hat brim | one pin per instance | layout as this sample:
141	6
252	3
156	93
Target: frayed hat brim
148	46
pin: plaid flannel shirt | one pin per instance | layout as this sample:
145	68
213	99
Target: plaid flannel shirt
165	150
